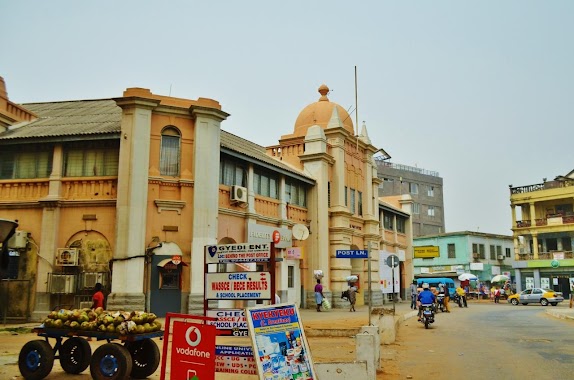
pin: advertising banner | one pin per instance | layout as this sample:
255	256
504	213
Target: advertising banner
235	359
229	321
237	253
279	343
238	286
192	351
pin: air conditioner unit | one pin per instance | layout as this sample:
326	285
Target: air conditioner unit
500	257
67	257
475	255
238	194
19	240
63	283
89	280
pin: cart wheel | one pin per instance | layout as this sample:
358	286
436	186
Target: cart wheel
75	355
36	360
111	361
145	358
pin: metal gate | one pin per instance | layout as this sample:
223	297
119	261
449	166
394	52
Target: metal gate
15	300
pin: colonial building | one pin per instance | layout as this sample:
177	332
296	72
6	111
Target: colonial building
543	231
129	191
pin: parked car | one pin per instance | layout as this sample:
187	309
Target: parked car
536	295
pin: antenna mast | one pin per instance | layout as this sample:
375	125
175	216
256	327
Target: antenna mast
356	105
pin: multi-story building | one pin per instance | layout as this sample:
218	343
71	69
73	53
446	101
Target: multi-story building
424	186
129	191
451	254
543	232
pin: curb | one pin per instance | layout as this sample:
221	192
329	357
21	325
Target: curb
559	315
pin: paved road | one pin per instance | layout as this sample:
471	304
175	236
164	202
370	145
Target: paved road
484	341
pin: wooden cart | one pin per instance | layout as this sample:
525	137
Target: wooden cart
136	356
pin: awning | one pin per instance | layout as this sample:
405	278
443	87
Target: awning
166	261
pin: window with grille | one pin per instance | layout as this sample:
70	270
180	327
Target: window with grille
21	162
91	159
492	252
451	251
416	208
295	193
265	183
481	251
290	276
360	203
414	188
401	225
430	211
170	152
231	172
388	222
352	208
507	250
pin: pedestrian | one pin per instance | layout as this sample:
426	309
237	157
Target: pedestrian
98	297
446	298
497	295
414	294
462	294
319	294
352	295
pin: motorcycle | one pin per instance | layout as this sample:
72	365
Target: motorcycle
457	299
427	316
440	302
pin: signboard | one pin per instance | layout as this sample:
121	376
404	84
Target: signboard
229	321
235	359
393	261
293	253
258	233
386	274
545	282
238	286
192	351
352	254
237	253
426	251
280	346
476	266
529	281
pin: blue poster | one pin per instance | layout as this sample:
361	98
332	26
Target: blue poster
279	343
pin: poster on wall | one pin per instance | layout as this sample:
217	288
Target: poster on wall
529	282
386	274
545	283
279	343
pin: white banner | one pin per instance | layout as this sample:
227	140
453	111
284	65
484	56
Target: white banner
386	274
238	286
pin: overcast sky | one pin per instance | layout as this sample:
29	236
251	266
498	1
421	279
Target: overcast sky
481	91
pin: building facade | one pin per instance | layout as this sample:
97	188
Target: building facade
451	254
543	233
129	191
424	186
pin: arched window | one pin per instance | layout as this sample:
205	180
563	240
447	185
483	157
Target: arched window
170	152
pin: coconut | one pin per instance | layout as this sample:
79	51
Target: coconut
74	325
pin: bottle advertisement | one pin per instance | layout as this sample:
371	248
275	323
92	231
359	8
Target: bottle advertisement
279	344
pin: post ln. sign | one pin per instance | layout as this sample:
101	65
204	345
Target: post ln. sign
352	254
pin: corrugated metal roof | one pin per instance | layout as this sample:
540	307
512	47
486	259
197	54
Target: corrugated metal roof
258	153
74	118
103	116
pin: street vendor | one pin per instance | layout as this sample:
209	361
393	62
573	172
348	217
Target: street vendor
98	297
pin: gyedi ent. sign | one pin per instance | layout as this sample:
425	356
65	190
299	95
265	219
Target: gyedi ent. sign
237	253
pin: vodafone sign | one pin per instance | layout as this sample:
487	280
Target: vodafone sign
192	351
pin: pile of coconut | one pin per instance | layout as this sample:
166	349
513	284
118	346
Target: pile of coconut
120	322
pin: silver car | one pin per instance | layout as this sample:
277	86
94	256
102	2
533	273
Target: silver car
537	295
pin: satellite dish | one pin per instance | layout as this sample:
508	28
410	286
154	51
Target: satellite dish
300	231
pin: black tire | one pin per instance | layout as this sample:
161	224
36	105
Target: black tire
75	355
554	303
525	303
111	362
544	302
145	358
514	301
426	323
36	360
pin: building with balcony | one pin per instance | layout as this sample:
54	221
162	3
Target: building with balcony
129	191
424	186
451	254
543	232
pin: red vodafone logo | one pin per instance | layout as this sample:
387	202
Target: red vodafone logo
276	236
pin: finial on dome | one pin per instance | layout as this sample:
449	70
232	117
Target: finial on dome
323	90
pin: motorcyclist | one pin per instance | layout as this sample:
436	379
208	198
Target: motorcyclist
426	297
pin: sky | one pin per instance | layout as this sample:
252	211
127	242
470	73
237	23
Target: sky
479	91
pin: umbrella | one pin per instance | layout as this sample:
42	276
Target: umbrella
467	276
500	278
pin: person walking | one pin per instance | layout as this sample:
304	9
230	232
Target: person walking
319	294
497	295
446	298
414	294
352	295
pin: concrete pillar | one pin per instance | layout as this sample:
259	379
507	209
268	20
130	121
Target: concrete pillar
366	352
518	280
535	246
536	274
